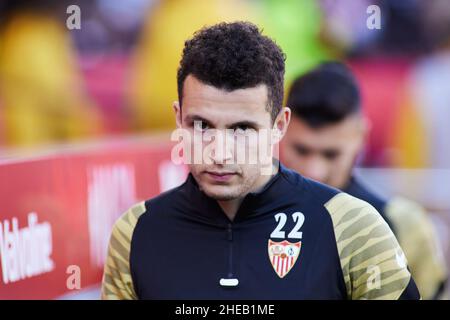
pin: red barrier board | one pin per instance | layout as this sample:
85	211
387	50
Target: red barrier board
57	212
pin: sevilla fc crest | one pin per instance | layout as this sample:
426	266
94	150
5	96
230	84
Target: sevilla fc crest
283	256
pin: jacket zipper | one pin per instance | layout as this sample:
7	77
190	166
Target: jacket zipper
230	251
229	280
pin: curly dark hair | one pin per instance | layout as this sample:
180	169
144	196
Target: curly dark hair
232	56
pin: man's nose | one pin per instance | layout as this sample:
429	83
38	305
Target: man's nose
316	170
222	147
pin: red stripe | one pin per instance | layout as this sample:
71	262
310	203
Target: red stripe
286	260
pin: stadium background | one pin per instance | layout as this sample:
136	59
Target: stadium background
85	114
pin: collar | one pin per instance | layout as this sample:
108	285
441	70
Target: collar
352	185
254	203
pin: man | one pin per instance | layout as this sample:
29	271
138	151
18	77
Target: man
325	136
233	230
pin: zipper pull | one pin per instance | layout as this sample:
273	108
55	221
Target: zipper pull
229	282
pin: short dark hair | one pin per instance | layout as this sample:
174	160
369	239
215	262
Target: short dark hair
325	95
234	56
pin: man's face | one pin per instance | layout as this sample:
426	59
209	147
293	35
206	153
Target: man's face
326	154
208	109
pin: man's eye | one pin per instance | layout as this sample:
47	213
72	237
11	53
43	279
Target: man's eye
302	151
330	155
200	125
241	129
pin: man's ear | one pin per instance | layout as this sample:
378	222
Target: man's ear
177	109
281	123
363	126
366	127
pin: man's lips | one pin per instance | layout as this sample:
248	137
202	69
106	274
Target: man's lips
220	176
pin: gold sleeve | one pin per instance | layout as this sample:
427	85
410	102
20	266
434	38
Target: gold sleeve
372	262
117	283
417	237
